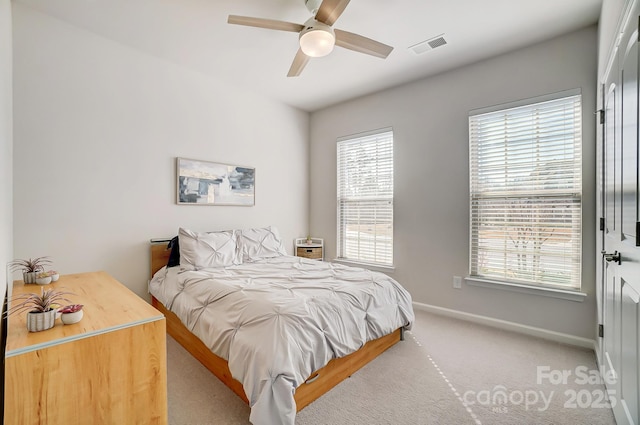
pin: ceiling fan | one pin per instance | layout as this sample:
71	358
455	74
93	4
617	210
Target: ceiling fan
317	36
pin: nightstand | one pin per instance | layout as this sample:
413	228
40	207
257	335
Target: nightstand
313	250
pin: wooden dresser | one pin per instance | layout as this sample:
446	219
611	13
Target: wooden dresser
109	368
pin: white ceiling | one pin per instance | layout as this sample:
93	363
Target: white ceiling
194	34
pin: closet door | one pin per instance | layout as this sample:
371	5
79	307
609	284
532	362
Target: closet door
621	255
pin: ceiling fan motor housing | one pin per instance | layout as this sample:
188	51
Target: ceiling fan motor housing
313	5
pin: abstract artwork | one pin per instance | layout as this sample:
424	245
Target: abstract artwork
212	183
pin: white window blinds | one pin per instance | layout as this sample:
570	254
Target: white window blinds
365	198
526	190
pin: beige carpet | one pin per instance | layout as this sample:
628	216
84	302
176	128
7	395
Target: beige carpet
446	371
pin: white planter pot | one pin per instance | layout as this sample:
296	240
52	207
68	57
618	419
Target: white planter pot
43	280
37	322
71	318
29	277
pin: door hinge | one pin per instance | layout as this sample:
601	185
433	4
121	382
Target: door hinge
637	233
601	114
602	224
601	331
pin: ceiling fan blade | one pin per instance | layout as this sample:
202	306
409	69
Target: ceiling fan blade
265	23
299	62
361	44
330	11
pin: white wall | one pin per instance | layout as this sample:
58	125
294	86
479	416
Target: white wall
430	123
98	126
6	144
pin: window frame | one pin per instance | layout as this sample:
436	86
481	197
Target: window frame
376	137
572	289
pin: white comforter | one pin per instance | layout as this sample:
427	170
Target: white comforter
278	320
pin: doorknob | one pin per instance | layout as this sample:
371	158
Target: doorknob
612	257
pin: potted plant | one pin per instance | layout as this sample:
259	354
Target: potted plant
30	267
71	314
41	314
43	278
54	275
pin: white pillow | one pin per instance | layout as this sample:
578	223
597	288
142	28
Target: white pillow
204	250
260	243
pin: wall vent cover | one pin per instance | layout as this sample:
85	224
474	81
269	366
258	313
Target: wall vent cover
425	46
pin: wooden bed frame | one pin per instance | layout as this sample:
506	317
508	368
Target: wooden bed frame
316	385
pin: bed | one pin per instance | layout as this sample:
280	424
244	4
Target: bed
278	330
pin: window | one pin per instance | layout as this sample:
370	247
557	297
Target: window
525	192
365	198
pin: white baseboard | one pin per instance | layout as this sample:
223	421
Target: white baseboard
510	326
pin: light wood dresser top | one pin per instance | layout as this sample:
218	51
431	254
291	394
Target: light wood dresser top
108	305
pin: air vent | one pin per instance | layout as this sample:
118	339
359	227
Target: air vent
427	45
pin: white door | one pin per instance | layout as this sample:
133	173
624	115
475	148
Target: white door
621	255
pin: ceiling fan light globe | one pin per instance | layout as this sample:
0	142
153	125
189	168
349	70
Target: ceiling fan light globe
317	42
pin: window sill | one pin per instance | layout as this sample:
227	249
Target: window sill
370	266
564	294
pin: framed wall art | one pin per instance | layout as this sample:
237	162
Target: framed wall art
213	183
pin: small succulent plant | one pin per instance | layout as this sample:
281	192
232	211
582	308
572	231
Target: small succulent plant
38	303
71	308
30	265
